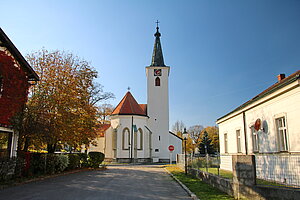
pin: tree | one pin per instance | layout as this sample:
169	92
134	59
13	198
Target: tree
194	133
178	128
104	111
206	146
62	105
213	134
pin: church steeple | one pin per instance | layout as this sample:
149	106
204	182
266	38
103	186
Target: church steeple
157	56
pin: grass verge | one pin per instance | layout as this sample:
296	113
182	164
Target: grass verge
202	190
222	173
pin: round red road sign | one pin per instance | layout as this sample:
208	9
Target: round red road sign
171	148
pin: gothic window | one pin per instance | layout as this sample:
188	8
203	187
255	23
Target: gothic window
140	139
125	139
282	133
157	81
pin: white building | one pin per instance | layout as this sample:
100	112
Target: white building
267	126
140	132
14	70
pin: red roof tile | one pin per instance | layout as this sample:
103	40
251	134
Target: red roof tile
128	106
102	129
144	108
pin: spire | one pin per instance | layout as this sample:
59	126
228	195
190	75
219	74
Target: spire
157	56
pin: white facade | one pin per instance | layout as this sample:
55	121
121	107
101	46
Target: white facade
158	110
278	109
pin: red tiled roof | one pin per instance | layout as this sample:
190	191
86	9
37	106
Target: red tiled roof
144	108
102	129
128	106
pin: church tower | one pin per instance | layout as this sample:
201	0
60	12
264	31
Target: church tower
158	102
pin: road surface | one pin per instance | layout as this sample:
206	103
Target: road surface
116	183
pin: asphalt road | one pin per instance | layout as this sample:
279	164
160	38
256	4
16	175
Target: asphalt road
115	183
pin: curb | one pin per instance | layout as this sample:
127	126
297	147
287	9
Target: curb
191	194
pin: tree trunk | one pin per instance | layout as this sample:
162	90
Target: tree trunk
51	148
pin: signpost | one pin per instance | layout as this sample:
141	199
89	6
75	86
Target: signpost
171	149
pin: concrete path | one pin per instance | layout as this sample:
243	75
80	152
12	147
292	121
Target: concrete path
115	183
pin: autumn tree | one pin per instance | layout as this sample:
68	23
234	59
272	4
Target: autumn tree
195	133
213	134
104	111
63	104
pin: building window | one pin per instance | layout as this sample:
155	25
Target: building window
225	143
125	139
157	81
140	139
281	133
5	144
255	139
238	141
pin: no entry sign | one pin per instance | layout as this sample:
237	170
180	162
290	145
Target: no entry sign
171	148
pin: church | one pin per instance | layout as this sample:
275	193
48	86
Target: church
140	132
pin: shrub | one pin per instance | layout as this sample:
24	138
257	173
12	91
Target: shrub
56	163
7	167
74	161
95	159
83	160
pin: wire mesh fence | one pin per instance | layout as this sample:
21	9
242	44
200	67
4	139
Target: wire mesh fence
278	169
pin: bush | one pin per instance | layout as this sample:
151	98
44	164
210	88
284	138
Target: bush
95	159
83	160
56	163
74	161
7	167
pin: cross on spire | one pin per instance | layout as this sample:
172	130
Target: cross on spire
157	23
128	88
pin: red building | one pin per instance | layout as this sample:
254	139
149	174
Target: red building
16	76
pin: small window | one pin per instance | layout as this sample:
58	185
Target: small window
157	81
238	141
156	150
140	139
125	139
225	143
255	139
282	133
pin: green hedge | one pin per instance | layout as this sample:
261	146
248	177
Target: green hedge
95	159
48	163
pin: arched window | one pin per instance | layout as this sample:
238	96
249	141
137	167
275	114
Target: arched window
157	81
140	139
125	139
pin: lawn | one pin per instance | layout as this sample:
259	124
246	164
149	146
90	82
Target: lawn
202	190
222	173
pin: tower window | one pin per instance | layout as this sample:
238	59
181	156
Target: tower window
157	81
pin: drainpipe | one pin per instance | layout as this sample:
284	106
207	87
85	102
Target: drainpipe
131	146
245	132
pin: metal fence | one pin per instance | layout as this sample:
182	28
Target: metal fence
278	169
208	163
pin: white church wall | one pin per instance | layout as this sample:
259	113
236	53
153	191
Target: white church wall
125	122
158	111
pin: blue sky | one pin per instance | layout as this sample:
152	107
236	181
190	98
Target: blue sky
221	53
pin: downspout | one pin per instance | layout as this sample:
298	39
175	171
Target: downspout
131	146
245	132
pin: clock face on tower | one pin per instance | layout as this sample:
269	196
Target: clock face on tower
157	72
